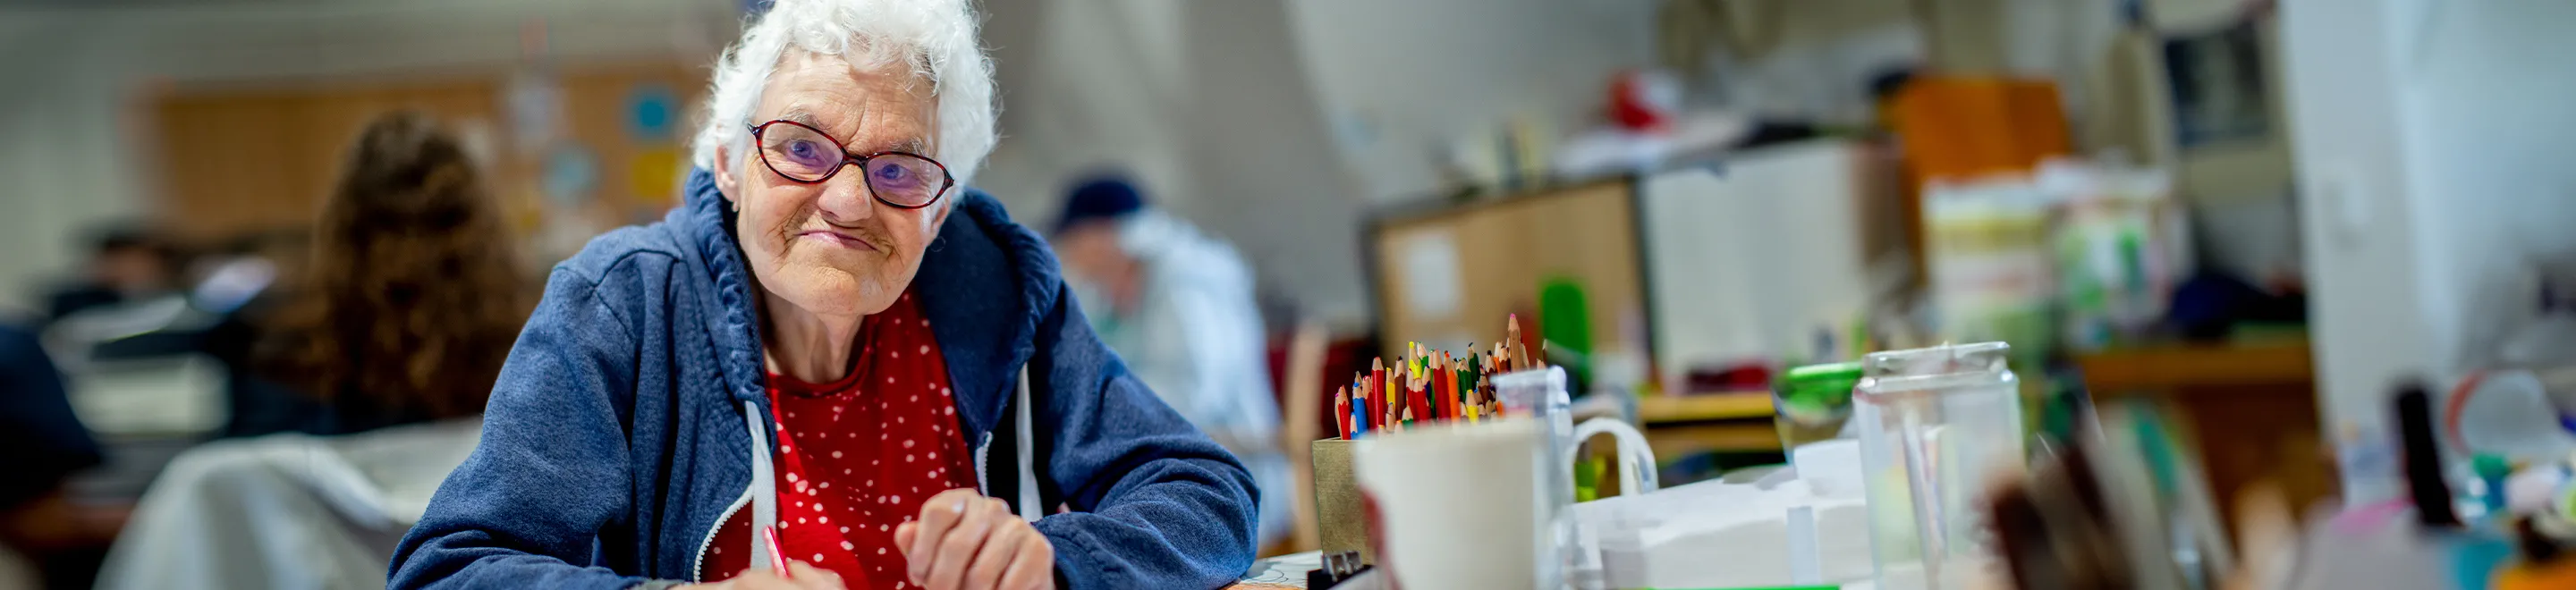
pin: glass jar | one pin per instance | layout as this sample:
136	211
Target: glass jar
1935	425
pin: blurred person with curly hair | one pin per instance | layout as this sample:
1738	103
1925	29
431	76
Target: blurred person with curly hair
413	293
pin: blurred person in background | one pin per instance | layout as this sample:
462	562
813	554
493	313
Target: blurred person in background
410	300
835	353
41	444
129	263
1178	306
245	289
242	271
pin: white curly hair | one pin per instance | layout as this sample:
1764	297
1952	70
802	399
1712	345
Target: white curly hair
936	39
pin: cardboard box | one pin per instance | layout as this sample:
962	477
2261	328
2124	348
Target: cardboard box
1339	518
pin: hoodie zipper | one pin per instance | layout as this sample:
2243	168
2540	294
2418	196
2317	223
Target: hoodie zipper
698	564
983	452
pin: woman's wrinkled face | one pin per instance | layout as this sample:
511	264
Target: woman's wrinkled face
831	248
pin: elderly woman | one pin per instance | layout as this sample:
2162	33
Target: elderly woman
835	353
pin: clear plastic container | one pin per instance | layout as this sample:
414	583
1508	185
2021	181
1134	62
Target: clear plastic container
1936	425
1541	395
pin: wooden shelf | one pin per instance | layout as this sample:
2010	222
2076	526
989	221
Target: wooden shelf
1672	442
1682	425
1676	409
2162	368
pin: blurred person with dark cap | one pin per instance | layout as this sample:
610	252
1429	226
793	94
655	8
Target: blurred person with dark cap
1178	306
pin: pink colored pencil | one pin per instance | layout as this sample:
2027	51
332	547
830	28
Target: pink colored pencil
777	557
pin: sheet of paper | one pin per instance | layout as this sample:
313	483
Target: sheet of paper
1430	274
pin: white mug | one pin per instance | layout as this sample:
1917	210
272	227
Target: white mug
1636	458
1458	505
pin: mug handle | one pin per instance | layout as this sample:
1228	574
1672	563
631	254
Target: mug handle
1636	460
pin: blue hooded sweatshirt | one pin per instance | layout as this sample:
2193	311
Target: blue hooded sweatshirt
630	421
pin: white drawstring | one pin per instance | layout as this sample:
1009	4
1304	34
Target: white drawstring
1029	509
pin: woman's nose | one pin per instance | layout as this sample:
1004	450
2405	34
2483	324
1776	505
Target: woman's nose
845	199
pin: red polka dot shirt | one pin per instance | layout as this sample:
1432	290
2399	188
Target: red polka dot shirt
858	456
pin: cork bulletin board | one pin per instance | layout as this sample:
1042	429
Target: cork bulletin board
1449	276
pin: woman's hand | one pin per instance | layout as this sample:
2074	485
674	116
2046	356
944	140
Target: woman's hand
964	541
799	577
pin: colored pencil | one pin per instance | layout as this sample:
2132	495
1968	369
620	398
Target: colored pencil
1390	403
1358	409
1448	375
1377	394
1342	412
777	557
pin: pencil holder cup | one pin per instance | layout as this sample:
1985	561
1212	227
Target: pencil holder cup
1461	505
1338	517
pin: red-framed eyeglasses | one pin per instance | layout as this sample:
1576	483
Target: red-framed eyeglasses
807	155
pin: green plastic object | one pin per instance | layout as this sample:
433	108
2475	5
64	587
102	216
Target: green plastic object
1565	321
2492	470
1812	402
2489	465
1821	387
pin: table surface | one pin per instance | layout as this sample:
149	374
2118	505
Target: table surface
1280	571
1289	572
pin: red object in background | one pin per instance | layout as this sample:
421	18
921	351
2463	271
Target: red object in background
1342	359
1741	377
1374	522
1644	100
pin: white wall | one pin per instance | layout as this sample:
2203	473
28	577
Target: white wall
1407	76
2364	304
2490	122
59	133
68	142
1086	87
2432	143
1259	138
1206	105
1229	112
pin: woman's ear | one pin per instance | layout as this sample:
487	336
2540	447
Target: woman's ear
937	221
726	182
